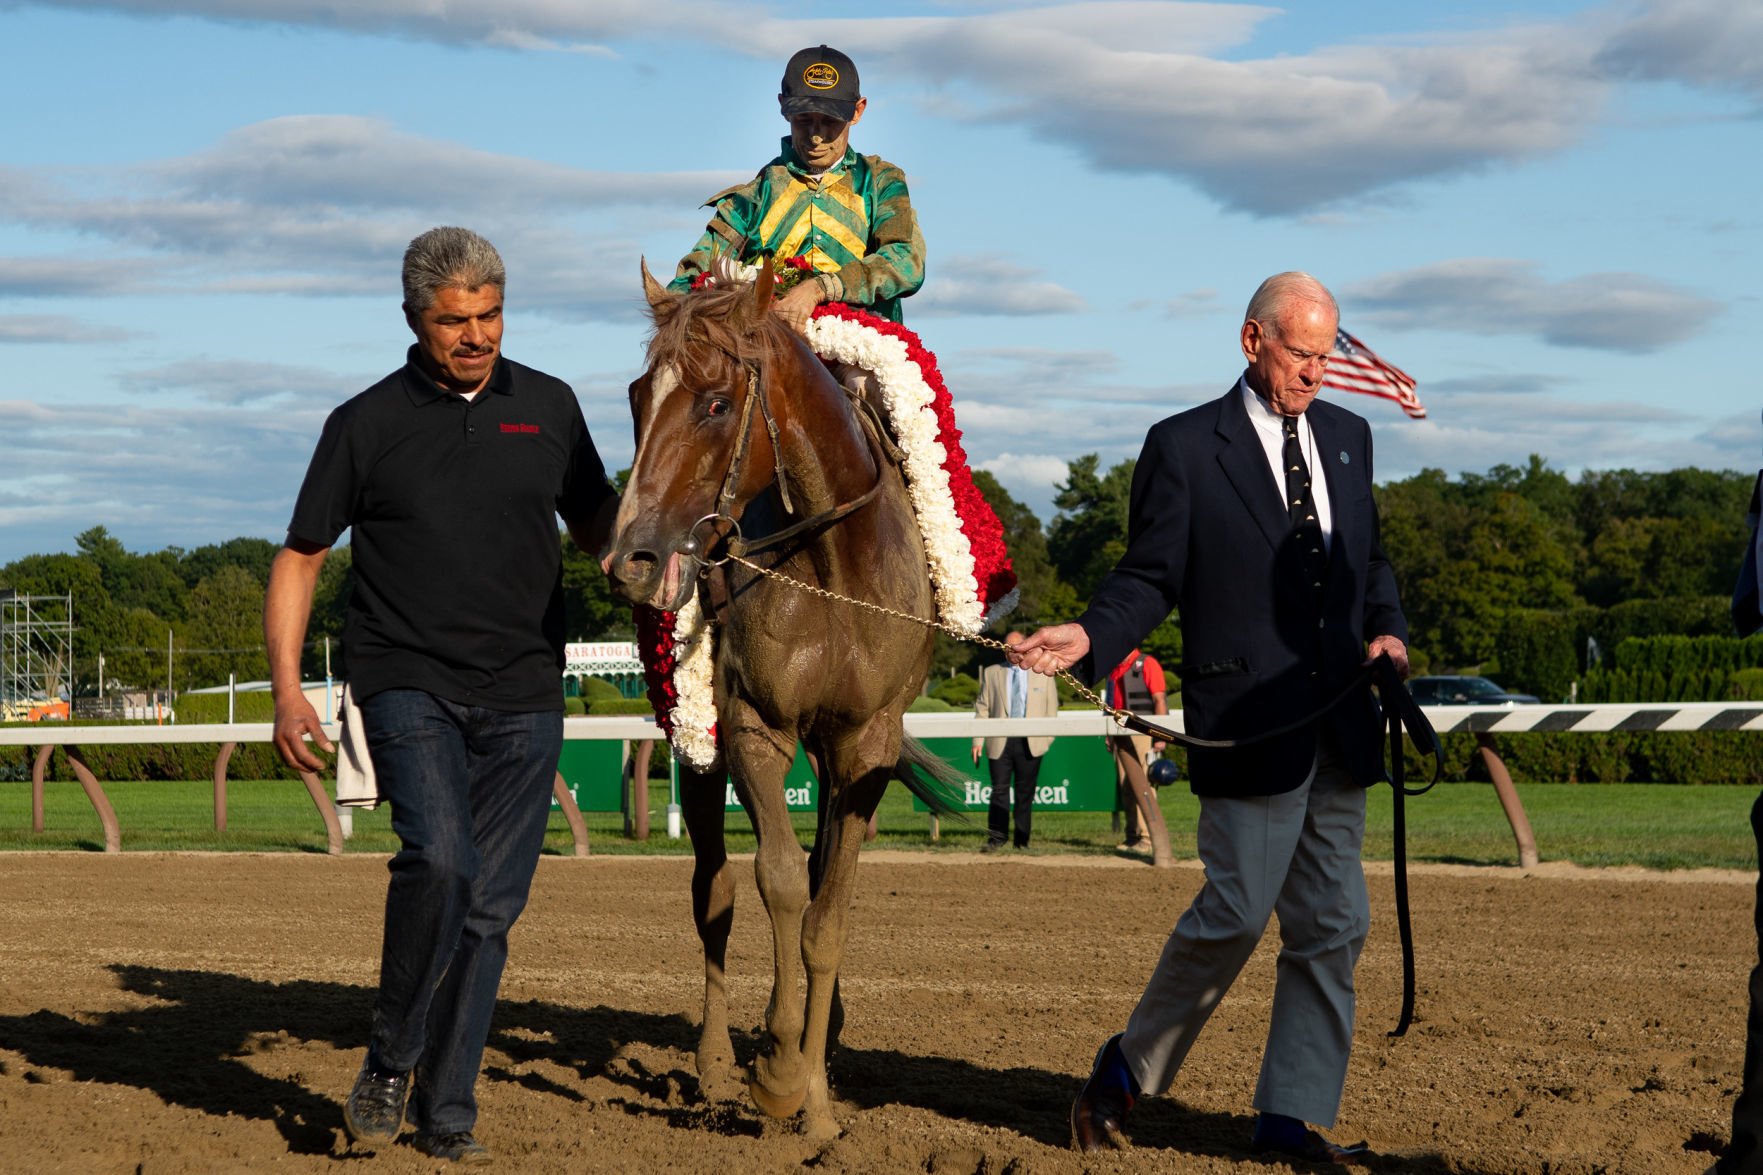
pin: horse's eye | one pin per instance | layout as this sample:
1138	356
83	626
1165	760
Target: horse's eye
718	407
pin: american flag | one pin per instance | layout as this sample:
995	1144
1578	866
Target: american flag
1354	367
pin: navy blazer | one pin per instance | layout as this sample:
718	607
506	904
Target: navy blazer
1208	535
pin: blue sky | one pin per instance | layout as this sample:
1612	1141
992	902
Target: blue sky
1546	212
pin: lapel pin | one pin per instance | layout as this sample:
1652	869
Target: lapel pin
1344	459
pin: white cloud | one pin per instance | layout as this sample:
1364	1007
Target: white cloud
1030	478
65	276
1129	86
1193	304
329	160
324	205
1270	136
1475	445
1696	42
1499	383
56	328
1625	312
154	474
548	24
236	381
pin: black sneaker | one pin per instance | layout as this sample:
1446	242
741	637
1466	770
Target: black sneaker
374	1112
455	1146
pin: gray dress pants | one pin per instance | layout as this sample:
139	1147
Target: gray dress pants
1297	855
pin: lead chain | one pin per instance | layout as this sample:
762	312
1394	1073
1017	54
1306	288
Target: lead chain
1117	715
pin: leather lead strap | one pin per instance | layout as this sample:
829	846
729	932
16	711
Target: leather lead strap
1399	834
1403	714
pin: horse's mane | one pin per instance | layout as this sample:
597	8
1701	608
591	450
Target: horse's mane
697	331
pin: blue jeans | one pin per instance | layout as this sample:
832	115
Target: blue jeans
470	793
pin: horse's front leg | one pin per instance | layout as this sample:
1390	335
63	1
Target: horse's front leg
702	799
760	759
846	820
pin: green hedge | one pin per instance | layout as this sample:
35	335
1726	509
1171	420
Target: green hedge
598	689
1745	685
1704	756
958	691
602	706
250	706
1537	653
118	763
1678	669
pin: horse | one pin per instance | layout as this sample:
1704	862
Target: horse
741	428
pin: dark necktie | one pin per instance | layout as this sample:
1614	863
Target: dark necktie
1301	507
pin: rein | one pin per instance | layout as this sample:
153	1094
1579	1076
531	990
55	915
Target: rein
738	545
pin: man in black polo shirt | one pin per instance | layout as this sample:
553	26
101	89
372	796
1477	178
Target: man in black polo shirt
450	474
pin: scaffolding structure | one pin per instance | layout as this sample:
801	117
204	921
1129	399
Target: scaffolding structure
36	653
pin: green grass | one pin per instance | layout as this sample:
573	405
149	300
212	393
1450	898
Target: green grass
1655	826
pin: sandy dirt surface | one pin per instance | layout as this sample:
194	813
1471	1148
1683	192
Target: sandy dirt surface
164	1013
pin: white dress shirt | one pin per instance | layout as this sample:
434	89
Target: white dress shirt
1271	431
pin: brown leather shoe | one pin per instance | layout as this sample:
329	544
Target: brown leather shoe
1099	1113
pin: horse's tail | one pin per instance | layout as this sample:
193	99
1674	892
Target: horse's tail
931	779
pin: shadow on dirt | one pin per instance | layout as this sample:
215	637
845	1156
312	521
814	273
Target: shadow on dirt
1037	1105
191	1045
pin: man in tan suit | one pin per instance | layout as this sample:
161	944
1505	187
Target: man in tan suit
1006	691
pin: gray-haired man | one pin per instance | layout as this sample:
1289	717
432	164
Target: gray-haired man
450	474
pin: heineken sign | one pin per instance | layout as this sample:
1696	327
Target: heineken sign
1077	775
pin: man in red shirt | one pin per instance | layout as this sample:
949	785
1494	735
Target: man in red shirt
1137	685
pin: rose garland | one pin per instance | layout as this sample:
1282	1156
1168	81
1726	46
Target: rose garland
963	538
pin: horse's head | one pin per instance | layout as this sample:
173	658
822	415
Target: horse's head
697	459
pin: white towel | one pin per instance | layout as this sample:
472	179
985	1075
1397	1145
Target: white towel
356	786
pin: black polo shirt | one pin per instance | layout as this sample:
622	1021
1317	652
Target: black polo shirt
453	505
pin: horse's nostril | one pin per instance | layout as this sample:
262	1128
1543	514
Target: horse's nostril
638	566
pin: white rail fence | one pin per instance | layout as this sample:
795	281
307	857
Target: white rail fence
1483	721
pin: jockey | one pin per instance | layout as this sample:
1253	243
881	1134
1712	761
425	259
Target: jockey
848	216
840	228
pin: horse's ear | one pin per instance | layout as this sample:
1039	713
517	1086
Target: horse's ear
764	288
661	303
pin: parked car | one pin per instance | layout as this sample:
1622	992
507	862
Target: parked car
1463	691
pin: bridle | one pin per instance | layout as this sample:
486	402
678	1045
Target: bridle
736	544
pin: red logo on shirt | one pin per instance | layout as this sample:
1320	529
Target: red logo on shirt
520	428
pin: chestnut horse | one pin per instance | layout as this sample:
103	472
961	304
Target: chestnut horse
737	420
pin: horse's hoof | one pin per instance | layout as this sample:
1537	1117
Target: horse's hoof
820	1129
714	1056
714	1062
773	1104
718	1083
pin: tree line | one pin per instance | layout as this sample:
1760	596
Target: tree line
1521	573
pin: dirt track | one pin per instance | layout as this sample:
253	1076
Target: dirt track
205	1013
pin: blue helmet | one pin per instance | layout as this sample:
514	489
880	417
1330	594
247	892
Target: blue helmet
1164	772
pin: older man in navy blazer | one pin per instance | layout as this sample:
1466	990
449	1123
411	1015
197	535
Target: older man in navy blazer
1252	517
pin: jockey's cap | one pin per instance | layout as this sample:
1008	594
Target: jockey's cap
820	81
